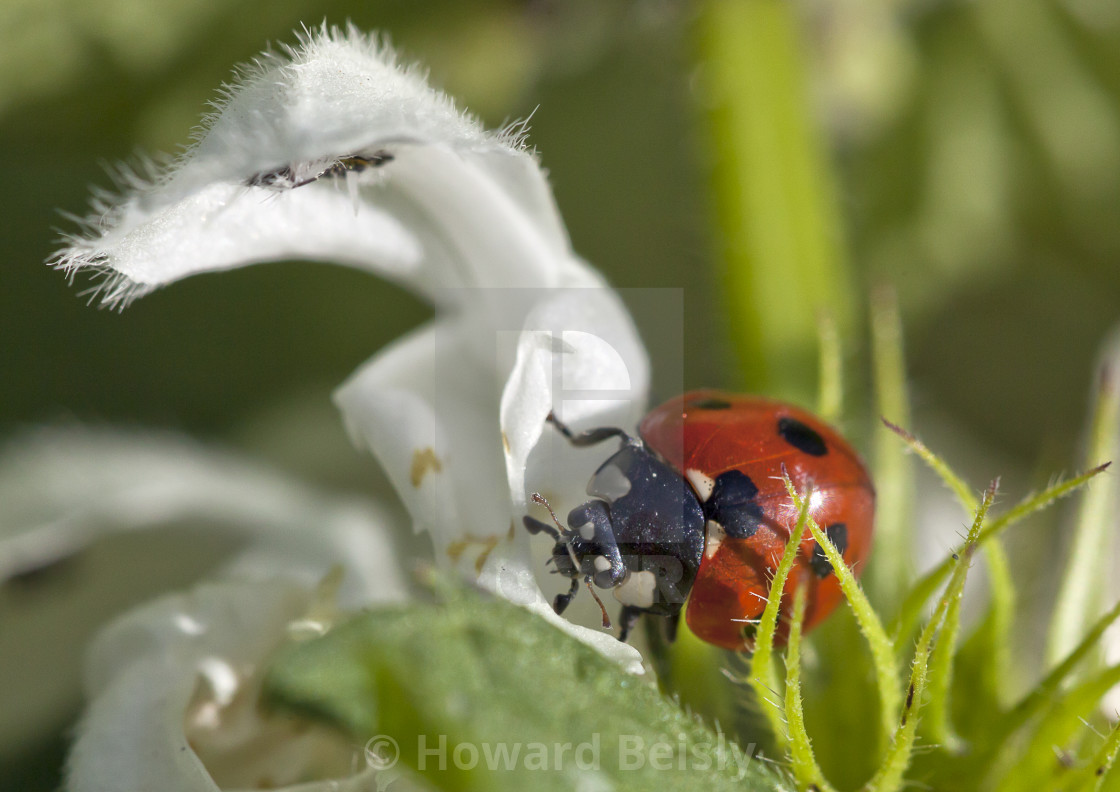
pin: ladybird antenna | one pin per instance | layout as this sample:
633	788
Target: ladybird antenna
599	602
542	501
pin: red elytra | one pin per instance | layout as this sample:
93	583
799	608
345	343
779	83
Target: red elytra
704	434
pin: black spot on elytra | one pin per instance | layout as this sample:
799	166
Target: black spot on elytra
710	404
837	533
732	505
801	436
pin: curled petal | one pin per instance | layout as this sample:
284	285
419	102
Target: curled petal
579	357
331	151
179	678
63	489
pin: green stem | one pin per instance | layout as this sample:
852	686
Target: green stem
907	620
894	474
763	679
889	778
774	192
1084	579
882	649
805	767
1043	693
830	402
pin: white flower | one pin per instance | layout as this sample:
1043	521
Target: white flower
176	682
62	489
177	679
332	151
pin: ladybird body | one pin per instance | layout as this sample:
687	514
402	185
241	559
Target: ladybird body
696	509
733	450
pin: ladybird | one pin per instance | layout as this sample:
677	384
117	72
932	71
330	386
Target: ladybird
694	509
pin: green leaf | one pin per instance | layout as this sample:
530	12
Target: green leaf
694	673
490	678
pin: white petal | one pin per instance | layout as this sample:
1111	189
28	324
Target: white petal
62	489
226	225
581	357
179	673
427	407
454	205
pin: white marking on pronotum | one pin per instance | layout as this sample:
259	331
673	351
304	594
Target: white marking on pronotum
610	484
701	482
714	536
587	530
637	590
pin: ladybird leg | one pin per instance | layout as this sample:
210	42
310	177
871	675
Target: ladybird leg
672	622
535	526
599	602
562	601
628	617
588	438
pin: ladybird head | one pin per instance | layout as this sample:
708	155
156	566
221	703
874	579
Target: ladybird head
641	535
587	549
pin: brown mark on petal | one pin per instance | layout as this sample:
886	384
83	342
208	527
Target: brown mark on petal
505	444
423	460
456	549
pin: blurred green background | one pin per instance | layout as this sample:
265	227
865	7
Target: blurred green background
975	154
